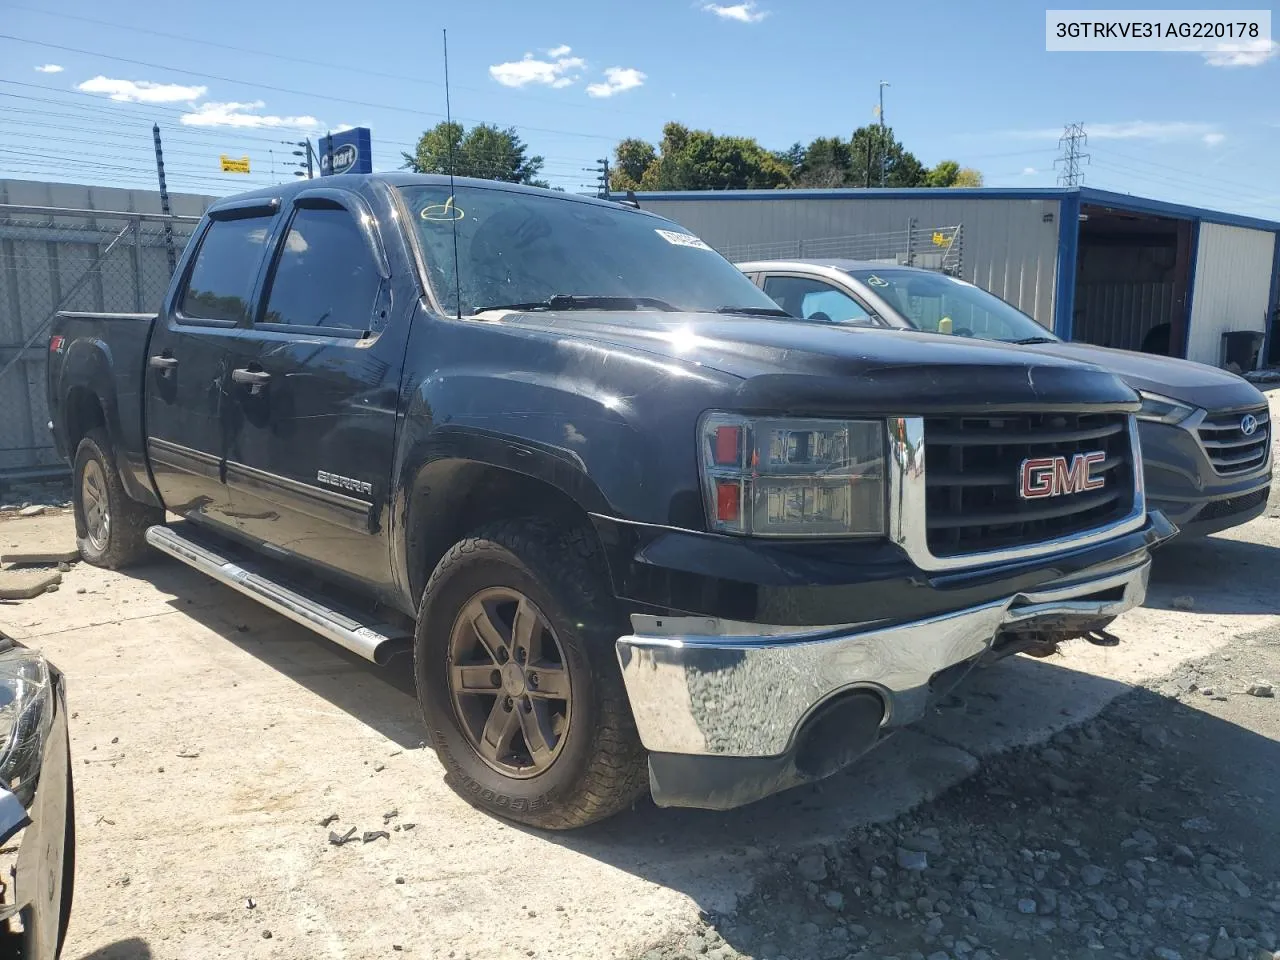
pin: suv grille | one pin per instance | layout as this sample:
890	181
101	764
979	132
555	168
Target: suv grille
1230	451
973	474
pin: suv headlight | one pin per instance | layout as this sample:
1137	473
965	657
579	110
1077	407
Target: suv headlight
791	477
1158	409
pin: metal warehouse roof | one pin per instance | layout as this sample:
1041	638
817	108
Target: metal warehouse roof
1089	195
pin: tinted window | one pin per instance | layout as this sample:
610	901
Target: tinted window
816	300
325	276
516	247
225	268
942	304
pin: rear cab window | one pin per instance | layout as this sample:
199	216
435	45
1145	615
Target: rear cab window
811	299
222	276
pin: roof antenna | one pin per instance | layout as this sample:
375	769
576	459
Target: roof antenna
453	209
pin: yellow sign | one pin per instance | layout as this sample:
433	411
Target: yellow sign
232	165
939	239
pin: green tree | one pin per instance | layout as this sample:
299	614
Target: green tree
943	175
484	151
633	158
968	177
698	160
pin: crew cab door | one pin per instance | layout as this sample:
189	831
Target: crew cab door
313	385
186	369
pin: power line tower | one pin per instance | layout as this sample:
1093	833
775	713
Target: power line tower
602	177
1072	139
306	167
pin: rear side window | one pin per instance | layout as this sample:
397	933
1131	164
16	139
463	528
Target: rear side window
814	300
225	269
325	276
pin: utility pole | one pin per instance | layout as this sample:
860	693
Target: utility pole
164	202
602	178
327	164
1072	139
884	143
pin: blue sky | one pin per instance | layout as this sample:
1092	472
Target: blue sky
575	77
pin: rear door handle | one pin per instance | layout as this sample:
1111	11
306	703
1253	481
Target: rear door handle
161	362
252	377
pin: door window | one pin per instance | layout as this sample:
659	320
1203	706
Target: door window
326	276
815	300
225	268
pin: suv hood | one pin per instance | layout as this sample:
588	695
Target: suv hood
785	365
1196	384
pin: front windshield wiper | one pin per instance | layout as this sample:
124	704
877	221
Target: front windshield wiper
564	301
754	311
1027	340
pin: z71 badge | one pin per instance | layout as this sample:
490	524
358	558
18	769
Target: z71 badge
344	483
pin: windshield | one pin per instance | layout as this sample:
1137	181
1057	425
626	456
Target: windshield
941	304
523	248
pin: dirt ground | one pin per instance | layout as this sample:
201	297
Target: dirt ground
211	738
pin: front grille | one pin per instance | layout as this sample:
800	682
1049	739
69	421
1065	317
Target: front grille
1241	504
973	472
1230	449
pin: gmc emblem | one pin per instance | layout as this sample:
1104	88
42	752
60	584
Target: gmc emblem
1042	477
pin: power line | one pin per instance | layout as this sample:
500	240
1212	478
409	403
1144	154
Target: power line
289	90
1072	139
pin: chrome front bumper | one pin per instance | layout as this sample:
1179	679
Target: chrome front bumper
714	688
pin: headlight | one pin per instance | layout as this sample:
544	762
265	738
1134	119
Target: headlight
792	477
1158	409
25	717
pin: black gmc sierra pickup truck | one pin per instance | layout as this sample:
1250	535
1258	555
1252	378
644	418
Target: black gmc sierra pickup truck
635	526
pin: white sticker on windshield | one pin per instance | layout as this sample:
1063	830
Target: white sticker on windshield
681	239
877	281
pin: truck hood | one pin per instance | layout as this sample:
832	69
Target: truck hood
785	365
1196	384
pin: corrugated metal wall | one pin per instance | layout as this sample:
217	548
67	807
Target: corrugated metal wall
1232	286
1010	248
42	258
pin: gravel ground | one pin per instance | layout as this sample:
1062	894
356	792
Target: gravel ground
1150	831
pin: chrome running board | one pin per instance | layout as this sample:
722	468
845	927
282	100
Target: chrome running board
373	642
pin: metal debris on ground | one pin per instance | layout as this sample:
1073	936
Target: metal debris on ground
250	903
339	839
1261	689
371	835
188	754
328	820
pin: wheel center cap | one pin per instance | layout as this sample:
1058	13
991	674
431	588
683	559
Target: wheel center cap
513	682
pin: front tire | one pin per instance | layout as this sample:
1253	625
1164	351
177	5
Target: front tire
111	526
519	682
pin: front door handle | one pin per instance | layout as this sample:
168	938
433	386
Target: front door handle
161	362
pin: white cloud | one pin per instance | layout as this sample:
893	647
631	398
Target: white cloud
558	72
242	115
1159	131
49	68
1213	139
616	80
141	91
1254	54
742	12
1029	171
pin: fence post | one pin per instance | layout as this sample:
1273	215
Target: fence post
136	226
911	232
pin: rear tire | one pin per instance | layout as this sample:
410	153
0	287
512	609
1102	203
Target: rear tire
582	760
111	526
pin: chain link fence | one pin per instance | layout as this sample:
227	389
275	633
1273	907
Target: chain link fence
932	248
56	258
